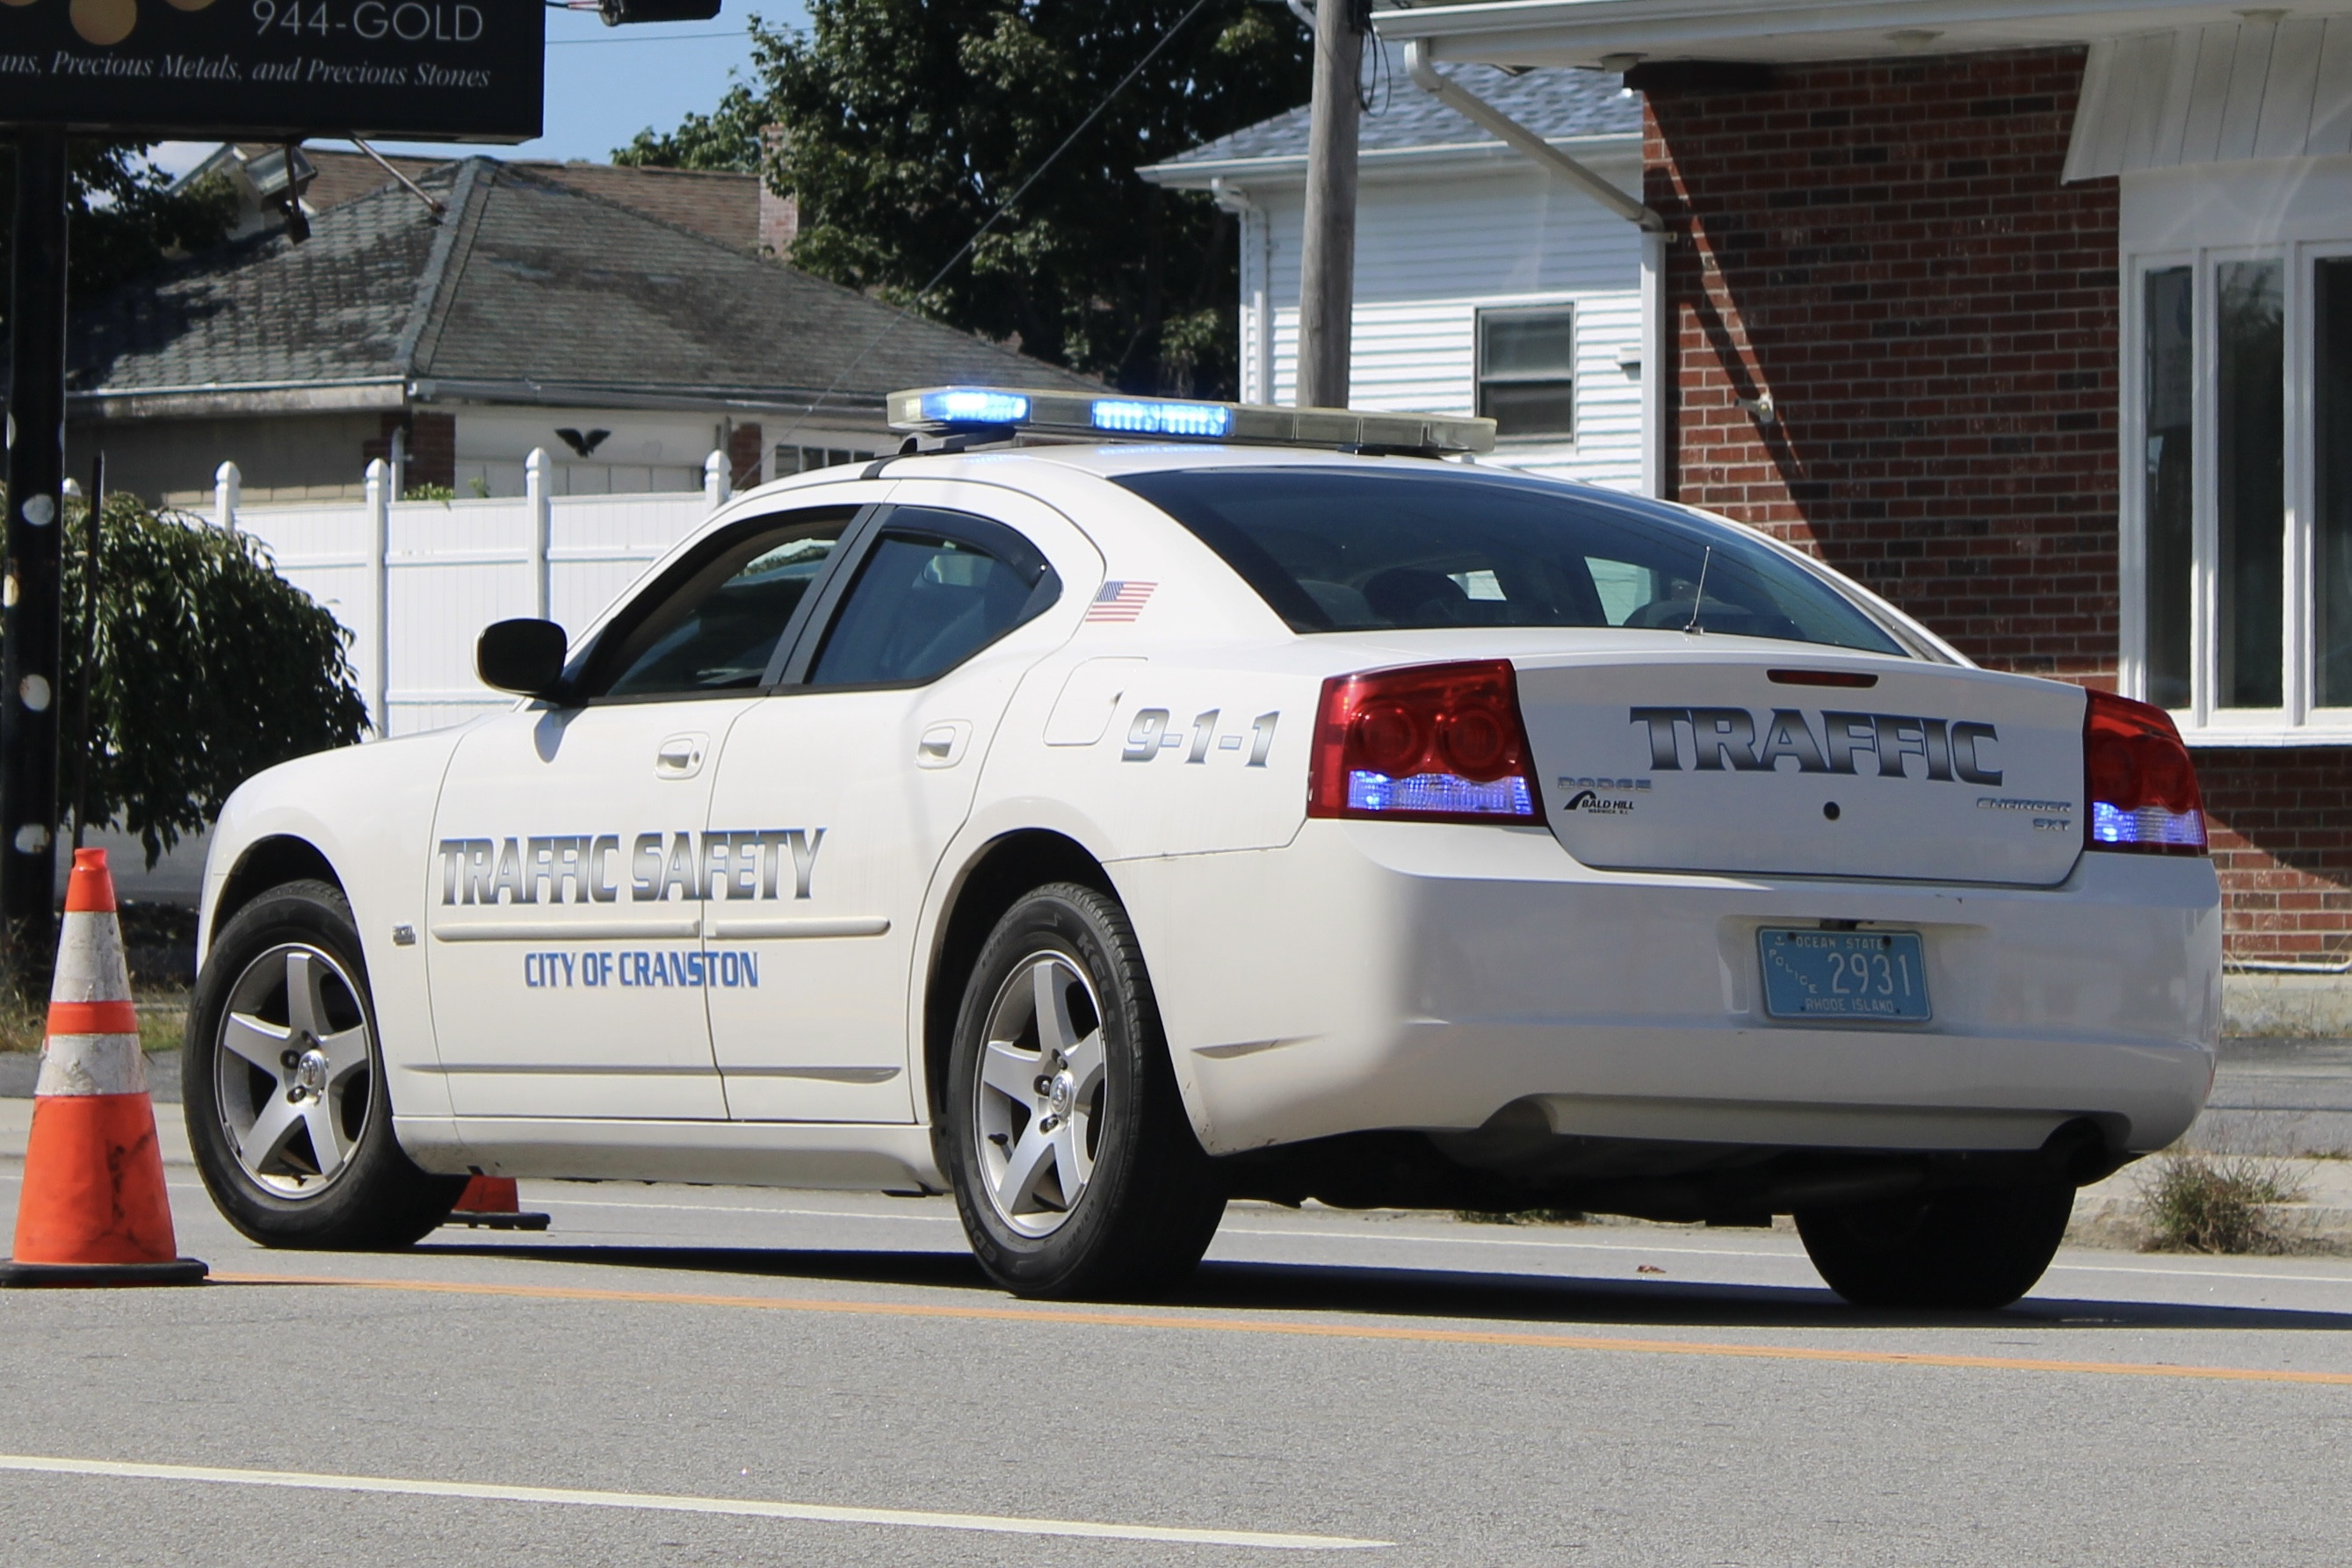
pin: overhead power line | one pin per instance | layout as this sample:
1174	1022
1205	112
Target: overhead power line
994	218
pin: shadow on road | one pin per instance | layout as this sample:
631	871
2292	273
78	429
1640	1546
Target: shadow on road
1517	1299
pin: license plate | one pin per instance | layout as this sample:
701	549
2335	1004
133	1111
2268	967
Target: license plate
1814	974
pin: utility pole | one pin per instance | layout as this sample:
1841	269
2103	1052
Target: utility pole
1327	270
34	630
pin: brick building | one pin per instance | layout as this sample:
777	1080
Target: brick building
2038	321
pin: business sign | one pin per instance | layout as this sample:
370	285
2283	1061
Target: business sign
455	70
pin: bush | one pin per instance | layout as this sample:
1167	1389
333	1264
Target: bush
1520	1216
209	667
2200	1203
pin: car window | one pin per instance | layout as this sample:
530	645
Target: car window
716	629
926	598
1336	549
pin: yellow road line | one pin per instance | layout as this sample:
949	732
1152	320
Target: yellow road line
1414	1335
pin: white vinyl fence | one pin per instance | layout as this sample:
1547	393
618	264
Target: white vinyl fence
416	582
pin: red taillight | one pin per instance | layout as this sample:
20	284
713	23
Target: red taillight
1433	743
2140	783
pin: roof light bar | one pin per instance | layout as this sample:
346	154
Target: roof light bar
964	406
943	411
1125	416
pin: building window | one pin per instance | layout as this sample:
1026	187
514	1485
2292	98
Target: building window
807	459
2332	440
2239	509
1526	372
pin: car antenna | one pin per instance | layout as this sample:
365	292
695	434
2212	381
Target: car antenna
1698	597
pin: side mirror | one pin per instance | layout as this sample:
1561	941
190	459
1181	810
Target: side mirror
522	656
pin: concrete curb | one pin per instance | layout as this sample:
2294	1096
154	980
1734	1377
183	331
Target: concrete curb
19	1069
16	1123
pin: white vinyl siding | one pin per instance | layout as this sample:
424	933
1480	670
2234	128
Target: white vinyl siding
1434	250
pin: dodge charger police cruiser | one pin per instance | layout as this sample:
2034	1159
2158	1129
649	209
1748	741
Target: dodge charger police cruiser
1107	808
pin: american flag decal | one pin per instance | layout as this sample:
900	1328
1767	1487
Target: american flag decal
1121	601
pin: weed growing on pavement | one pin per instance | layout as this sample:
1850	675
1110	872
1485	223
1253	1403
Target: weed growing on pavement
2207	1203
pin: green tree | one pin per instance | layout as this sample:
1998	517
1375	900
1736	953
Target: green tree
907	124
125	217
209	667
726	140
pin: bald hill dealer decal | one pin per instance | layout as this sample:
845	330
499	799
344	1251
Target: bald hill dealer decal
768	865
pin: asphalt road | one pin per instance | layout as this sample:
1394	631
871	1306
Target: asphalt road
672	1364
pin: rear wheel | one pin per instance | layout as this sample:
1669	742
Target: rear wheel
1976	1248
1073	1165
282	1084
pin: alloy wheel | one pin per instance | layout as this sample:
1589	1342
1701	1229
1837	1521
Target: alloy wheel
1040	1093
294	1071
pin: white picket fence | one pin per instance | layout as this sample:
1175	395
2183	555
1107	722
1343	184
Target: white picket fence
416	582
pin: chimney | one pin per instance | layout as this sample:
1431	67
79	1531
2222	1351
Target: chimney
779	216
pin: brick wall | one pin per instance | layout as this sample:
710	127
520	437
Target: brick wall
1886	249
2280	823
432	448
743	456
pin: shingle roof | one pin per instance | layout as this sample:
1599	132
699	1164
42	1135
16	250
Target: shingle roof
525	279
1555	104
724	207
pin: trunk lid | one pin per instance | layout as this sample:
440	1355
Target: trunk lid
1727	759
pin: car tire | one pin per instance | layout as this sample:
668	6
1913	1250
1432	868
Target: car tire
1977	1249
282	1083
1065	1140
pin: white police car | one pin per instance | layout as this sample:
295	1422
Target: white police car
1119	806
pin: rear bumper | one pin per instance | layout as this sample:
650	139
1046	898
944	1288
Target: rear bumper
1380	975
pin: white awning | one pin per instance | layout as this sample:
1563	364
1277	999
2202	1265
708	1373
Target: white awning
2219	94
1588	32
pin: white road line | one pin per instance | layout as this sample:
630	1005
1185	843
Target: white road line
2202	1273
742	1208
749	1507
1662	1247
1302	1233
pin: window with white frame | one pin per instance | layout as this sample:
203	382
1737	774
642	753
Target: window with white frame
1526	372
2239	505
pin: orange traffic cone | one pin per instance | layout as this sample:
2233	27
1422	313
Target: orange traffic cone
495	1202
92	1210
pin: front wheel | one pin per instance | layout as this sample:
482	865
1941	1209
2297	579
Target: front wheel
282	1083
1074	1165
1977	1249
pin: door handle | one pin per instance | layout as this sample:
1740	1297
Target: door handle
942	744
680	755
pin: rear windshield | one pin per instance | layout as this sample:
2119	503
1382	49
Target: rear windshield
1336	549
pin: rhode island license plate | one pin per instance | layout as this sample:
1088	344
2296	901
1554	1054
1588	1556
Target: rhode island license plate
1815	973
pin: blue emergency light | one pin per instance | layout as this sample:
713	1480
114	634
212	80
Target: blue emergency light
1003	413
966	406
